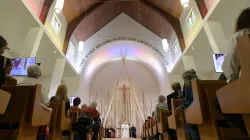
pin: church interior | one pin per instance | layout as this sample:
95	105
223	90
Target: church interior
124	69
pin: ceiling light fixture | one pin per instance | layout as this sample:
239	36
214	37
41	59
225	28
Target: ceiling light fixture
185	3
80	46
59	6
165	44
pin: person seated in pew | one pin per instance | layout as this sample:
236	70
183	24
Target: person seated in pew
153	118
9	80
149	119
162	105
83	106
62	95
52	98
76	103
176	94
95	115
3	47
34	73
187	94
231	64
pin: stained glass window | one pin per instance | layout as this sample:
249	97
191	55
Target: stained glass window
56	23
190	19
176	46
71	49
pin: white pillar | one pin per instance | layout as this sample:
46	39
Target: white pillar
216	36
57	76
32	42
188	61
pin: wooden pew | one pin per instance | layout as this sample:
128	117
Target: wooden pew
206	115
24	113
161	125
59	122
174	120
234	98
150	129
145	130
74	115
4	101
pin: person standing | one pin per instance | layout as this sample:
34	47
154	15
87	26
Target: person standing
9	80
125	130
133	131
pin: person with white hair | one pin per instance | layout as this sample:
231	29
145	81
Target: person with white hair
162	105
93	105
34	73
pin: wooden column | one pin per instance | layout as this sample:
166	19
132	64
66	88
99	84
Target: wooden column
202	8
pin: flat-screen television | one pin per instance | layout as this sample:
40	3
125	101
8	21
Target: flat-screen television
218	61
20	66
71	98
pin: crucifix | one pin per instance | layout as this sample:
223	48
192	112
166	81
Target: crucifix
124	89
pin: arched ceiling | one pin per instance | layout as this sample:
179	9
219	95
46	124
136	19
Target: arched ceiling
74	8
86	17
138	11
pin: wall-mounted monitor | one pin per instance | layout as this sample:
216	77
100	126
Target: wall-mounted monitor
71	98
218	61
20	66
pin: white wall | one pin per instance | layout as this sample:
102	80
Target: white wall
15	25
210	3
142	78
227	12
121	26
72	83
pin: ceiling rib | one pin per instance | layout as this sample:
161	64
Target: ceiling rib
173	21
45	10
76	21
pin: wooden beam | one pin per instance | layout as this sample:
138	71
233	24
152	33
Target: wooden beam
72	25
45	10
173	21
202	7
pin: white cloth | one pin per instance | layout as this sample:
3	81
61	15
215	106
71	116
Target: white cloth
31	82
125	131
231	65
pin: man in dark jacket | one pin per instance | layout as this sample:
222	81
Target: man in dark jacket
177	92
3	47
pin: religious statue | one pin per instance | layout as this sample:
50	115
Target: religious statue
125	130
124	89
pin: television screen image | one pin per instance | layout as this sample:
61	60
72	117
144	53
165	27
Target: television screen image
71	100
218	61
20	66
